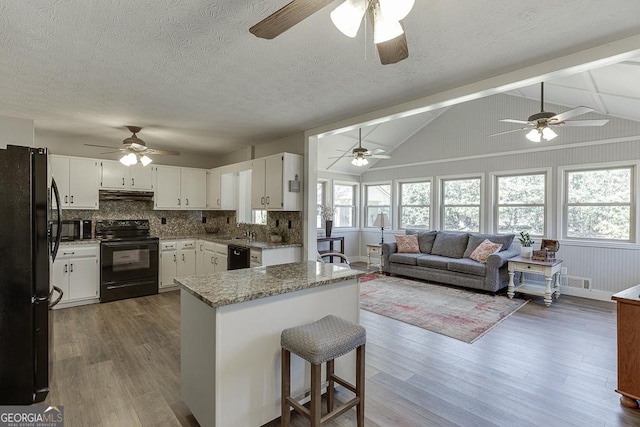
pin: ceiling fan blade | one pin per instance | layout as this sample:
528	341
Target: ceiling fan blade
520	122
584	123
102	146
571	113
377	151
394	50
380	156
288	16
111	152
509	131
160	152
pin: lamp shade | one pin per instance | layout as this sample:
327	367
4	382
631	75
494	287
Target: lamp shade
359	161
534	135
145	160
385	29
382	220
395	10
129	159
348	16
548	134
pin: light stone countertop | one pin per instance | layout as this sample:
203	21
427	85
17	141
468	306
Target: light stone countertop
80	242
226	240
230	287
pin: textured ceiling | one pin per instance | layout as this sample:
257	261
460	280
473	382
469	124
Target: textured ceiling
190	72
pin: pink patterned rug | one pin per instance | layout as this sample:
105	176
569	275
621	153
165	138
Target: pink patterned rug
457	313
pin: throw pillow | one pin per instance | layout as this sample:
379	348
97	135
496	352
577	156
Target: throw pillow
425	239
475	239
451	244
484	249
407	244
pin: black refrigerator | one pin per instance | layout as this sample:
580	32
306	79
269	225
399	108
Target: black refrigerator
26	250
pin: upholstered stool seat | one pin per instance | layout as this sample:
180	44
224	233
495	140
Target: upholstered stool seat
319	342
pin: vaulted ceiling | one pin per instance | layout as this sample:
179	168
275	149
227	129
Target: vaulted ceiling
191	73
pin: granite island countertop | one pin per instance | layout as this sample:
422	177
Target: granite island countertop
227	240
230	287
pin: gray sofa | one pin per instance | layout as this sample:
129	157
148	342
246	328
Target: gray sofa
444	258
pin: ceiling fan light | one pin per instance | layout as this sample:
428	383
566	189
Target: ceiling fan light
396	10
385	29
359	161
348	16
129	159
534	135
548	134
145	160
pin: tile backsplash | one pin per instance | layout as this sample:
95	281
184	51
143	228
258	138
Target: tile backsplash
190	222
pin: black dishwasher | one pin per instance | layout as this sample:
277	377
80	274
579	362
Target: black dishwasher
239	257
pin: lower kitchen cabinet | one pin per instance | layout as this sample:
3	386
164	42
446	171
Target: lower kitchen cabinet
214	257
266	257
177	259
76	271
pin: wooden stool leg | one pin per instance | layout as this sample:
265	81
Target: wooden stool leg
285	413
330	385
360	384
316	402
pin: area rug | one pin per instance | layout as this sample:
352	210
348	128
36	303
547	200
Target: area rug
457	313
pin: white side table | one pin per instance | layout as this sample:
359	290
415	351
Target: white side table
549	269
374	249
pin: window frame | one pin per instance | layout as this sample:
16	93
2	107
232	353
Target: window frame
481	207
324	184
354	206
563	196
365	204
399	204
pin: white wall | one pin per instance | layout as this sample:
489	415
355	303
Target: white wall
457	143
14	131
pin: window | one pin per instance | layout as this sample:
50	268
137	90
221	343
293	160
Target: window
344	203
378	199
320	196
415	204
520	204
461	204
598	203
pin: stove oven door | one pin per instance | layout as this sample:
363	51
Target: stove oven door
128	269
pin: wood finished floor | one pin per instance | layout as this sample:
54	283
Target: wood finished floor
118	364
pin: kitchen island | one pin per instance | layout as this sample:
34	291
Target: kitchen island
230	325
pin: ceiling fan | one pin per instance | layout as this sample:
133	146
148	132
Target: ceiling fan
539	124
385	15
360	154
135	149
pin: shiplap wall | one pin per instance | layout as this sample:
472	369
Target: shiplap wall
457	143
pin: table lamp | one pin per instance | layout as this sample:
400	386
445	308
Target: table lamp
381	221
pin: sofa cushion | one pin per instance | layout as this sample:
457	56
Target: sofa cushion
451	244
407	244
409	259
484	249
433	261
425	239
475	239
467	266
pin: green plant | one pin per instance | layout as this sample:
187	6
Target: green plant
525	239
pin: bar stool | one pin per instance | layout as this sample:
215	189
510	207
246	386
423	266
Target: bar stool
319	342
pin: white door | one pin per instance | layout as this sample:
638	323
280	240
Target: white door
84	178
257	184
273	182
113	175
167	187
213	189
60	277
83	278
168	268
186	263
194	188
60	172
141	177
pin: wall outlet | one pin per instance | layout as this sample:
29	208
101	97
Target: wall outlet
289	225
563	271
204	219
163	220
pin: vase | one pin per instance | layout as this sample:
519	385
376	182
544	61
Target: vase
276	238
328	225
526	251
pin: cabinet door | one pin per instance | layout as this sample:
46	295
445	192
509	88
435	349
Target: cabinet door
221	265
113	175
273	182
84	178
229	191
141	177
167	187
213	189
186	263
199	257
60	277
209	262
168	268
258	167
60	172
83	278
194	188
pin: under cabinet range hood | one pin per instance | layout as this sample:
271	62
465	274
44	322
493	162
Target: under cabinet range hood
143	196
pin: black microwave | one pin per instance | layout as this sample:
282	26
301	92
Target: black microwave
74	229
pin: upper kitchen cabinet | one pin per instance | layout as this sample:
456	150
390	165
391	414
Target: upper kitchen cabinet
180	188
276	182
222	189
78	180
115	175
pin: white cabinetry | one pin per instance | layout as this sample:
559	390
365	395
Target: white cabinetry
115	175
266	257
270	178
76	271
222	190
177	259
180	188
77	181
214	257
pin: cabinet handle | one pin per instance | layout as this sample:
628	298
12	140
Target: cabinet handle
200	248
71	268
262	200
68	253
66	270
182	257
216	261
123	182
133	182
267	199
212	262
174	258
178	202
187	202
71	199
66	199
218	202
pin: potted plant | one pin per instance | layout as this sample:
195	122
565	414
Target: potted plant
327	212
276	235
526	244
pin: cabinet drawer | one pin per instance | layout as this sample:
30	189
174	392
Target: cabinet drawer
220	248
256	256
518	266
168	246
189	244
70	251
374	250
